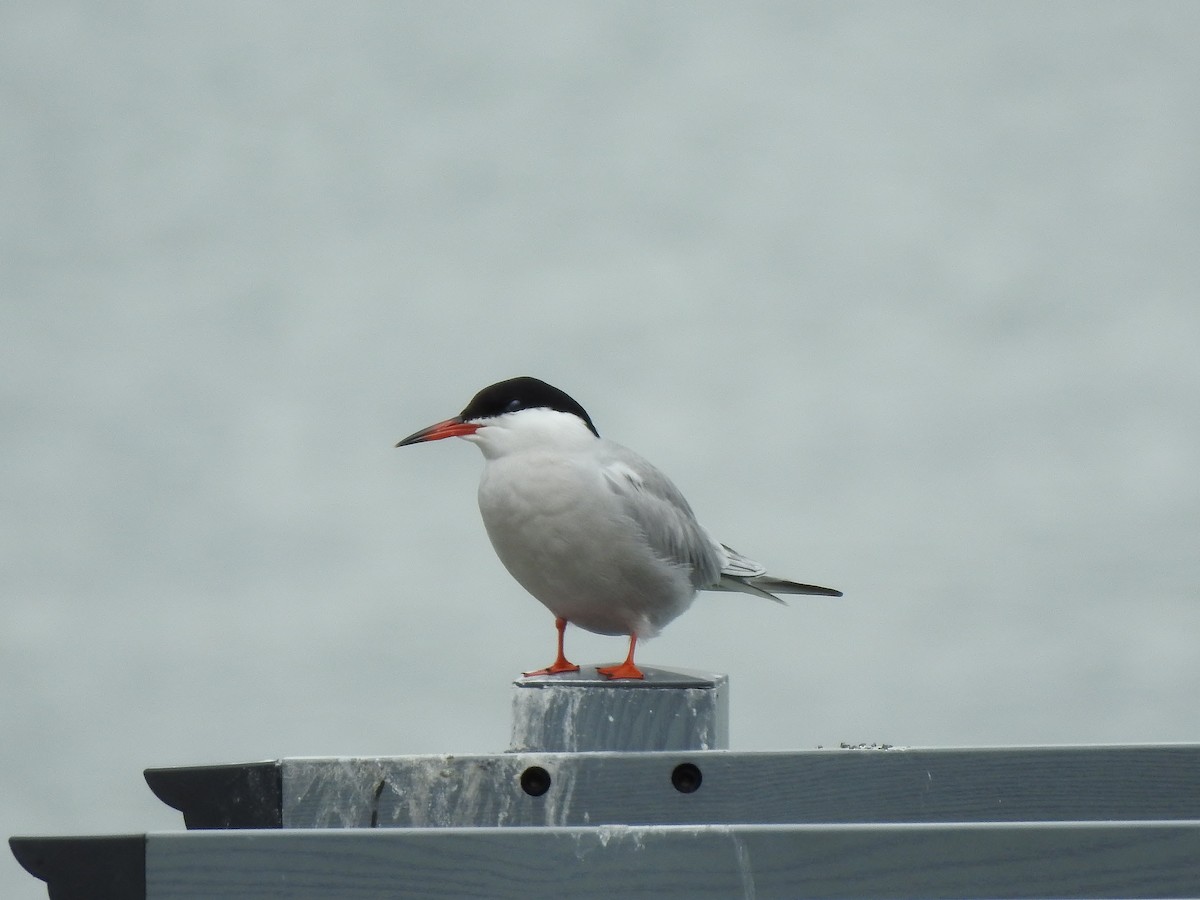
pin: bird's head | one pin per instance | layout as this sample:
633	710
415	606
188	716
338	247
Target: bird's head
513	415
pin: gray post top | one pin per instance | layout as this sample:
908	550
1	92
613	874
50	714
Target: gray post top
588	677
670	709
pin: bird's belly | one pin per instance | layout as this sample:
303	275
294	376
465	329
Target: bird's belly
563	537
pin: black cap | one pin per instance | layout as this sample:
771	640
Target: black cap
523	393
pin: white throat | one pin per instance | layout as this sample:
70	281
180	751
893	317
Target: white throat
531	430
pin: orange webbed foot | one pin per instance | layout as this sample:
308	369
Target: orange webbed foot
556	668
625	670
561	664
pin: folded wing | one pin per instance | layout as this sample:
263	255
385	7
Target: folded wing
666	520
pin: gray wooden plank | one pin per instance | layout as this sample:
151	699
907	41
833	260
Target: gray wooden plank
821	786
797	861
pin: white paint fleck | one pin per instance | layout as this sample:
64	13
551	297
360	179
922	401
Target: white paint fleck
745	870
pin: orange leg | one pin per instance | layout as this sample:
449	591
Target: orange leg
561	664
626	669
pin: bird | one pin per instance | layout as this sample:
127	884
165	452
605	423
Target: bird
602	538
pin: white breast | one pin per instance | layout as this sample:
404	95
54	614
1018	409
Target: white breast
560	531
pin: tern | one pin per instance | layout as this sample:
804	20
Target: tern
592	530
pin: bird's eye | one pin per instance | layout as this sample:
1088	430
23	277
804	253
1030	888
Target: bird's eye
512	405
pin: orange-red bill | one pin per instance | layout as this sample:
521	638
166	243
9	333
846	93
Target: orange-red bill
455	427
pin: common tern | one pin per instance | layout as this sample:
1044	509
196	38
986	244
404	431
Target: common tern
596	533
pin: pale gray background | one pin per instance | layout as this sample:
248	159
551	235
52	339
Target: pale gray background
905	297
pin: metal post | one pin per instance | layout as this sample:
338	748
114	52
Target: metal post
671	709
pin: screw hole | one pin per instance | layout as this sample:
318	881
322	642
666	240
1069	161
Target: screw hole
535	781
686	778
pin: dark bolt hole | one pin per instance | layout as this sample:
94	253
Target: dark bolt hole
535	781
686	778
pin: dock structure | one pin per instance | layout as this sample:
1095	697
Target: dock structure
616	788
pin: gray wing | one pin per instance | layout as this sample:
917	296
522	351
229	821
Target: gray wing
662	514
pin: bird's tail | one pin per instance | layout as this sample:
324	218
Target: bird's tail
768	586
740	573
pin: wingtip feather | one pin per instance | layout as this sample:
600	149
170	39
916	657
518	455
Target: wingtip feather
769	583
